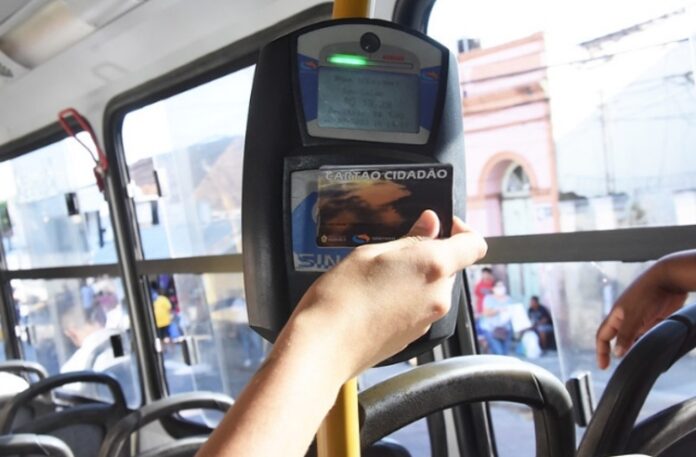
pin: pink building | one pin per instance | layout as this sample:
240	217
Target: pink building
511	170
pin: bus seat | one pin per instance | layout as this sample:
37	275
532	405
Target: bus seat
125	369
81	426
436	386
16	376
116	441
611	430
670	432
29	444
386	449
25	369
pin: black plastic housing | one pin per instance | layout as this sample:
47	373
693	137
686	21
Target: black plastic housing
277	143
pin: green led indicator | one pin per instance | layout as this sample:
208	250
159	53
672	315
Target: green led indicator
348	59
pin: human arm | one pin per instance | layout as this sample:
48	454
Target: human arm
655	294
369	307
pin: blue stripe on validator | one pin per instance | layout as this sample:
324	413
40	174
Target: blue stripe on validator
429	84
308	69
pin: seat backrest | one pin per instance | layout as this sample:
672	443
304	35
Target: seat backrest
82	427
24	369
119	435
386	449
16	376
436	386
31	444
671	431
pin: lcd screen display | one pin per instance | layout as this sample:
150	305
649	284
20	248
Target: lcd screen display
368	100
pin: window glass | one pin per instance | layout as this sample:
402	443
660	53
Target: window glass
204	330
585	109
184	156
68	325
548	314
51	211
514	427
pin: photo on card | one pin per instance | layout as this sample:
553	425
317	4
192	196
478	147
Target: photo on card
373	204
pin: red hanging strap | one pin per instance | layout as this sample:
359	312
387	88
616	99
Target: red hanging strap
101	164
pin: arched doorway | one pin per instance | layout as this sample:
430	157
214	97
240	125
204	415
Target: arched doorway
516	201
518	219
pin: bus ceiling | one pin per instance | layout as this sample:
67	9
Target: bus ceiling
83	53
33	31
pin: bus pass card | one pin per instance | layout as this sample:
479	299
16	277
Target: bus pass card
373	204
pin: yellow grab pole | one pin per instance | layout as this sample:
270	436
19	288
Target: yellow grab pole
339	434
351	8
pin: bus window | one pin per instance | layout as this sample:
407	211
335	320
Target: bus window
184	157
560	101
206	341
514	425
67	324
577	118
548	314
52	215
51	211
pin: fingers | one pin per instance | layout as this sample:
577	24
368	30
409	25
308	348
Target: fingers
441	257
457	252
427	225
609	329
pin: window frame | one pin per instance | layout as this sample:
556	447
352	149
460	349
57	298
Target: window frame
235	56
135	268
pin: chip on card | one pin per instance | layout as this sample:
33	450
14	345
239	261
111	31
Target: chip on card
372	204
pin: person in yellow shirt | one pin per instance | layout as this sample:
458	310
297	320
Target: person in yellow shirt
163	314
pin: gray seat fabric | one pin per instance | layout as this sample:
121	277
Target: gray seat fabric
33	445
184	447
82	427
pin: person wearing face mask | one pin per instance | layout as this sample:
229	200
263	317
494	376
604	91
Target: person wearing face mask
495	323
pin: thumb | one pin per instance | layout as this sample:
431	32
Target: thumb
427	225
